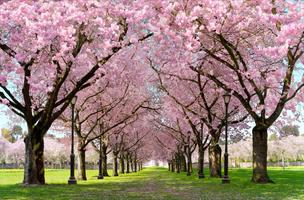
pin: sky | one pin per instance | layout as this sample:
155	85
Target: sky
7	122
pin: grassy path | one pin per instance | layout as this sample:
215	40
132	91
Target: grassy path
155	183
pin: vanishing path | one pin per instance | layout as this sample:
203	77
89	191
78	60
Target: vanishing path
155	183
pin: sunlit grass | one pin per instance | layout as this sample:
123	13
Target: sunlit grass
155	183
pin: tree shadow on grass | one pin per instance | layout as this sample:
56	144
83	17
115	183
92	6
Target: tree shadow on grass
63	191
159	183
289	184
128	186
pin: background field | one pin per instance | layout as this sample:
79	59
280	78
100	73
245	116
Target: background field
156	183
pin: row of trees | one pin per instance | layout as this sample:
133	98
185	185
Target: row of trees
57	154
287	149
228	52
110	53
56	49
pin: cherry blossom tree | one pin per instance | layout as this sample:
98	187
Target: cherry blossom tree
15	152
200	102
102	113
51	50
3	147
164	147
11	152
125	143
251	49
174	123
56	153
280	151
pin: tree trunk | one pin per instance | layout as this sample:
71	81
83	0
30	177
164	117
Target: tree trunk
173	166
183	163
34	161
81	165
135	165
215	165
100	174
259	143
169	165
189	164
122	165
128	164
115	164
131	163
178	163
201	160
104	161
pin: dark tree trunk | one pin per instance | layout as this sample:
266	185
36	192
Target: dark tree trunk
128	164
81	165
104	161
173	164
105	165
178	164
259	142
34	161
122	165
132	164
215	165
115	164
189	164
183	163
100	174
135	165
169	165
201	160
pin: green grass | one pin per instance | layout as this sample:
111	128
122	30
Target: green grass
156	183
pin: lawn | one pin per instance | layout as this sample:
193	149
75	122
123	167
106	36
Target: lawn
156	183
